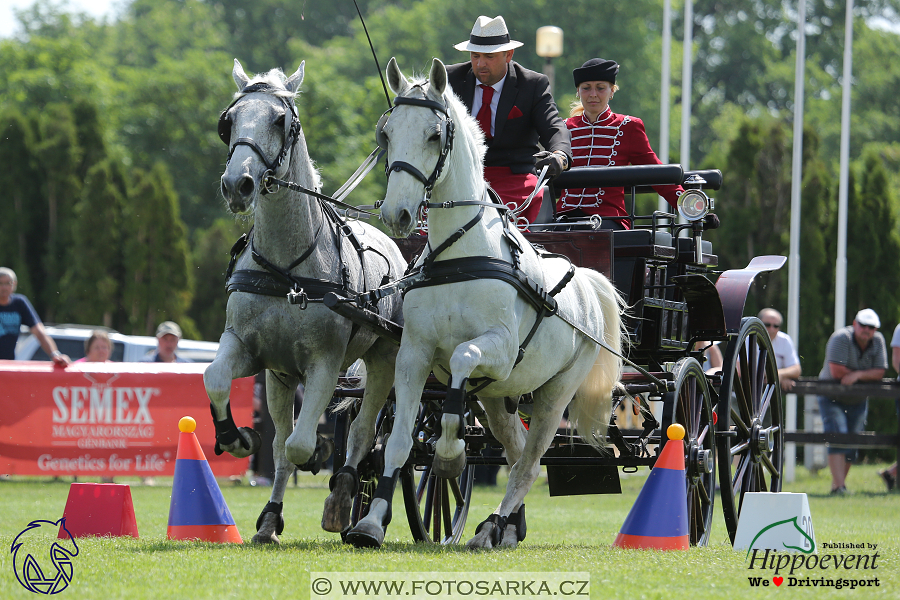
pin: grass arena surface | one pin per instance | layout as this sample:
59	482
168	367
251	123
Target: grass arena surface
572	534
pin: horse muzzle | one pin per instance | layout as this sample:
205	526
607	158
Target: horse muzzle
400	222
239	191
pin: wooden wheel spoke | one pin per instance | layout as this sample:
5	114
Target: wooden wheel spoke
739	424
701	437
458	497
739	474
448	516
436	513
766	401
770	467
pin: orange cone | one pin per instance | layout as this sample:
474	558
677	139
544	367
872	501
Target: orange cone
658	520
102	509
198	510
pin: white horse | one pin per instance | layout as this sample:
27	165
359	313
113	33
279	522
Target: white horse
473	329
297	246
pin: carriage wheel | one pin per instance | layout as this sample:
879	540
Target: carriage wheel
372	465
692	408
436	508
751	420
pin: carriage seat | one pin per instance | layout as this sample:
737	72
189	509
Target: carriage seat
641	237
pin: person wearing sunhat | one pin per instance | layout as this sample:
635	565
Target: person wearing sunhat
516	111
602	138
853	354
168	334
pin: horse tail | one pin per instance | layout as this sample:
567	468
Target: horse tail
590	409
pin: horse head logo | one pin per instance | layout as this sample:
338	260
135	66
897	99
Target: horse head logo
32	543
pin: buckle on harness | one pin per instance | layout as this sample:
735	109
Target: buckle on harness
298	297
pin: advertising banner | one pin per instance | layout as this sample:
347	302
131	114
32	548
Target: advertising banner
108	419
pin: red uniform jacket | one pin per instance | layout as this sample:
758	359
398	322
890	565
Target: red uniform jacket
613	140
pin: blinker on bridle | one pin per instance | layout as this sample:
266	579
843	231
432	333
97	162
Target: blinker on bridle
292	132
399	165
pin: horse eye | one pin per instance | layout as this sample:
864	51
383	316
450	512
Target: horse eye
280	121
435	137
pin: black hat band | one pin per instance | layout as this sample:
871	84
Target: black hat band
493	40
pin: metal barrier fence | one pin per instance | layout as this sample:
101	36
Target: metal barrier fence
810	387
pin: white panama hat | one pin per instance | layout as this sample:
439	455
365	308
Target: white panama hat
488	35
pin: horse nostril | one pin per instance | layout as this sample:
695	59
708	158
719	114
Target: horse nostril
246	186
405	219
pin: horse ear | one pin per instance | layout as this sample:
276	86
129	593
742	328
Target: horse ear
293	82
240	78
396	80
438	77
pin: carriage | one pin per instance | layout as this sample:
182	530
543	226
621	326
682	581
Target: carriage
663	269
733	419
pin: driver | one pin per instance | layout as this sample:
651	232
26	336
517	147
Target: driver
514	107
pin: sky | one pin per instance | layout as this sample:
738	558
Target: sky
95	8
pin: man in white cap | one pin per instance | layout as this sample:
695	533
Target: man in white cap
514	107
168	334
854	353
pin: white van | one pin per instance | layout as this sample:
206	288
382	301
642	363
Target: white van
126	348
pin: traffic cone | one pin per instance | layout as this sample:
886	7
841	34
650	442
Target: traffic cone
658	520
198	510
102	509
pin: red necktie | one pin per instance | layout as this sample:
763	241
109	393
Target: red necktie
484	113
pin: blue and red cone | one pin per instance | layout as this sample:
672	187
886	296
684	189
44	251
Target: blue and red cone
198	510
659	520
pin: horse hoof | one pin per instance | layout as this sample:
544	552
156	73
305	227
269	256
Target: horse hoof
366	535
336	516
263	538
255	442
510	538
448	468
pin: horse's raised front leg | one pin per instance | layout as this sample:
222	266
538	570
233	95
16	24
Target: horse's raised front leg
344	482
232	362
413	367
494	353
280	391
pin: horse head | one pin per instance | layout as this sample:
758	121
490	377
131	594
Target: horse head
418	134
260	128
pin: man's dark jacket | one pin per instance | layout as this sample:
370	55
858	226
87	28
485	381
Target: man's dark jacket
526	115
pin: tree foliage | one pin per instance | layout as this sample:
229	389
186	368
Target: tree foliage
109	133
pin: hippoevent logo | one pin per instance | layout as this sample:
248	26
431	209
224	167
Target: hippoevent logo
827	569
42	566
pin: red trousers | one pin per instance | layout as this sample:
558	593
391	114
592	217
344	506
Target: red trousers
514	189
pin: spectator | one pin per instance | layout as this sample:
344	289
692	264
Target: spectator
855	353
889	475
16	310
167	336
602	138
786	358
97	348
514	107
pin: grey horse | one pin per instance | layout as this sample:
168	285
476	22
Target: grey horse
298	247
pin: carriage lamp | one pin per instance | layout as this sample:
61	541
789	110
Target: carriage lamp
693	205
549	46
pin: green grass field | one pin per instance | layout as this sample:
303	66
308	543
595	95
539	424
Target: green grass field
572	534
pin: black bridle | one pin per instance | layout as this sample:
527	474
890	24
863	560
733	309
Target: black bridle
447	130
291	131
